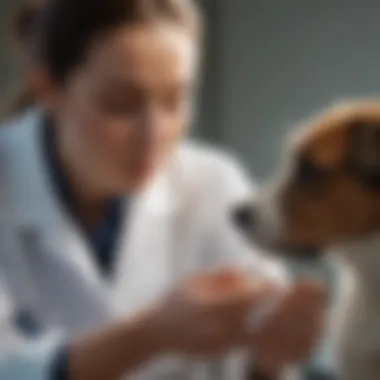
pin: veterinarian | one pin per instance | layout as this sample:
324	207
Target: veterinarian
118	256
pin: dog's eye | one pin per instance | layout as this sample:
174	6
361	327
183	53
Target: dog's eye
307	172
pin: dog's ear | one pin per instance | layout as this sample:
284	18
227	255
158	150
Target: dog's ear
364	151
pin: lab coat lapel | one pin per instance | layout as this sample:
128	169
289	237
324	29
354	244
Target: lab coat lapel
59	257
71	295
146	266
60	261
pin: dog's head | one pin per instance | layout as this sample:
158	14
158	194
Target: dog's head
330	191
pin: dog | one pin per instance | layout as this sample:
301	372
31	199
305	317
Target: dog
326	200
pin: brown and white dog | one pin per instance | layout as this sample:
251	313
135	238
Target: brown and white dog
327	198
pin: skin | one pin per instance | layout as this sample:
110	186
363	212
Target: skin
119	116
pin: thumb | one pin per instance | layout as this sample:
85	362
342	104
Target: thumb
247	298
265	308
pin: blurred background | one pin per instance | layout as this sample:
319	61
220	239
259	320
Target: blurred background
267	65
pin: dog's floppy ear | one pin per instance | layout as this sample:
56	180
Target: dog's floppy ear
364	151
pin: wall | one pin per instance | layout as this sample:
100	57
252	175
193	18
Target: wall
279	61
10	65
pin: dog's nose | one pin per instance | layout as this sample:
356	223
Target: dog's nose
244	216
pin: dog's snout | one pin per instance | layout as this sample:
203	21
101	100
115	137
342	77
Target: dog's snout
244	216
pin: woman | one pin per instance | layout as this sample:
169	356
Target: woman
108	216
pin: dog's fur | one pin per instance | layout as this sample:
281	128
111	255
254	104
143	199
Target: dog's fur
328	199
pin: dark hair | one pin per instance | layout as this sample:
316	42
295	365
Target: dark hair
58	33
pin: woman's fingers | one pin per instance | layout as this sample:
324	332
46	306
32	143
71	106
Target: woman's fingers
292	332
230	292
209	314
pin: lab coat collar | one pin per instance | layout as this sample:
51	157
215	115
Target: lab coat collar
145	245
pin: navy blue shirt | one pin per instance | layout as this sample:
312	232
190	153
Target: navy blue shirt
102	240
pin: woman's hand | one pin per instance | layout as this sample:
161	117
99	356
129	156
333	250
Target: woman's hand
289	336
207	315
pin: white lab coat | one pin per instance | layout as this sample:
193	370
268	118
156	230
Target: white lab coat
178	226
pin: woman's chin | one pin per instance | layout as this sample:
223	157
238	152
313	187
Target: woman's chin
137	183
137	178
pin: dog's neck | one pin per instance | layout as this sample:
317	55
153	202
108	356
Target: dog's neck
363	258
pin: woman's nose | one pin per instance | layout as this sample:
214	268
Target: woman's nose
244	216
